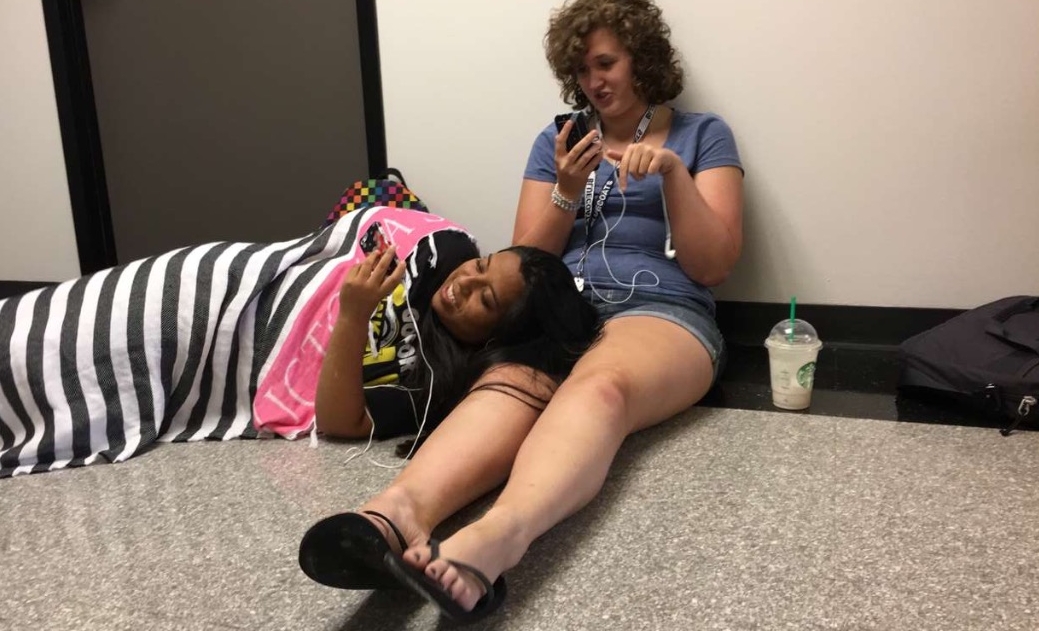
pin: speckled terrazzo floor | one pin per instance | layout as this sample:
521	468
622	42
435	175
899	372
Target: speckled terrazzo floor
719	519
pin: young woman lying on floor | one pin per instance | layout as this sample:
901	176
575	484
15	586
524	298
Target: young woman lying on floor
228	340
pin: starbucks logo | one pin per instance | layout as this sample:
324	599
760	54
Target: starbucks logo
805	375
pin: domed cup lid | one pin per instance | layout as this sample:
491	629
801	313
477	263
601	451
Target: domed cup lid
793	334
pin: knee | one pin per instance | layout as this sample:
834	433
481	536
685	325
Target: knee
611	387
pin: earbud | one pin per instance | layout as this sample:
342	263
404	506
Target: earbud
668	251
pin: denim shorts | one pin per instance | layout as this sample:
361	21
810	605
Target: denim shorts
688	314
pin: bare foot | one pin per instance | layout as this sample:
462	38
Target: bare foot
489	544
400	509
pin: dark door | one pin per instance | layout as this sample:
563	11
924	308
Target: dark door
236	120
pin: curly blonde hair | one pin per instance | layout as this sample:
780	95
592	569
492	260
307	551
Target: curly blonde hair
641	29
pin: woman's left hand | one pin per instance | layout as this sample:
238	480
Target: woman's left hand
640	160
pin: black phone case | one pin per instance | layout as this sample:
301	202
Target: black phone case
577	132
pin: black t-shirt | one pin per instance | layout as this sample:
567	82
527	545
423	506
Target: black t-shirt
394	410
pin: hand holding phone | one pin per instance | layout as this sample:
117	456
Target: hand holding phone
375	239
578	131
369	281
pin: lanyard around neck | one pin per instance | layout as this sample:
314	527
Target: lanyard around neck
593	212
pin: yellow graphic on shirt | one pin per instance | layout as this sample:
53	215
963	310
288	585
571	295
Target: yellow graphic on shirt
393	329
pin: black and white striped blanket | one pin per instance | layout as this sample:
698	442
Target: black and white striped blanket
168	349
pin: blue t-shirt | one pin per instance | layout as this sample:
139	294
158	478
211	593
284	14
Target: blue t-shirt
636	240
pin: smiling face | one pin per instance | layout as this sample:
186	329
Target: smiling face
477	295
605	75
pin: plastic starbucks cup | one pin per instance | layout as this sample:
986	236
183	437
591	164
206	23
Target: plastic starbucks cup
793	346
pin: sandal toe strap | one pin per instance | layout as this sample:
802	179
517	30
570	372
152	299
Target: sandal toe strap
400	537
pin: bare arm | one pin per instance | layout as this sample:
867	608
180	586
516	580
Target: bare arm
706	213
340	391
539	222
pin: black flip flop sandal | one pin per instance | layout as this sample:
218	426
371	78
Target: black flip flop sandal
346	551
431	590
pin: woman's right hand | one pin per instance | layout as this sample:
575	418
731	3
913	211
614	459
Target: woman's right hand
573	167
367	283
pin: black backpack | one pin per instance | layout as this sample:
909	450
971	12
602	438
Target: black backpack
988	356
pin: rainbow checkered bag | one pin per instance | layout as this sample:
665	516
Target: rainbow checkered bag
388	189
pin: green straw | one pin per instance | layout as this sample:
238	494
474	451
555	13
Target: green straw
793	308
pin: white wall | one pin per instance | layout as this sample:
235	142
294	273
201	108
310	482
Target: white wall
891	147
37	238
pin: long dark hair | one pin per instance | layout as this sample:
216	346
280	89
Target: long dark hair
547	330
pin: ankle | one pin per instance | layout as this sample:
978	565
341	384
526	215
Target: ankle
509	531
398	505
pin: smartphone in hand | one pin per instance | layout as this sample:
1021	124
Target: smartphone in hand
375	239
578	131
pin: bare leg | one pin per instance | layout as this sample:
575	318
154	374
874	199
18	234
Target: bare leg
468	455
644	370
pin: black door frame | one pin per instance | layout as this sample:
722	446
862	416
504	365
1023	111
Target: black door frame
371	85
81	139
77	117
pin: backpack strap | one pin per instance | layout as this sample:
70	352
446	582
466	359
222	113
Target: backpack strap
1026	339
392	174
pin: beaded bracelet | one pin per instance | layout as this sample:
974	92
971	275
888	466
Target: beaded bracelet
569	205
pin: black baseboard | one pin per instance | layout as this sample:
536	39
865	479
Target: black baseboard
10	288
749	323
